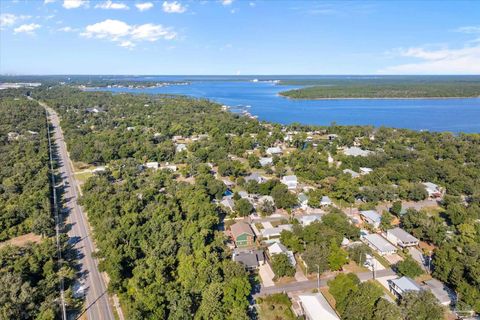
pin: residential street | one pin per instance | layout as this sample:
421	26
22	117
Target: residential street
96	302
312	284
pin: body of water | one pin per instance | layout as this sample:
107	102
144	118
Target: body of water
455	115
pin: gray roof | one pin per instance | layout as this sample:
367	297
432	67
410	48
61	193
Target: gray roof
402	235
406	284
443	294
249	259
380	243
356	151
371	215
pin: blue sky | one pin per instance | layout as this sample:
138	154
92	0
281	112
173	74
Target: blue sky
239	37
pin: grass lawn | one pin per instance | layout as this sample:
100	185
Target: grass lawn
22	240
275	307
83	176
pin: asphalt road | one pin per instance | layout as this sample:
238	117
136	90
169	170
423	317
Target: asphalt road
312	284
96	301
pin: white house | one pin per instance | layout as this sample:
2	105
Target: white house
401	238
309	219
303	200
255	177
434	191
316	307
266	161
274	150
372	217
275	232
152	165
277	248
379	244
365	170
356	152
290	181
170	167
228	203
352	173
326	201
180	147
402	285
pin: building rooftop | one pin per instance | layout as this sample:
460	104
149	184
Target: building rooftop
356	151
380	242
241	228
402	235
371	215
316	307
406	284
443	294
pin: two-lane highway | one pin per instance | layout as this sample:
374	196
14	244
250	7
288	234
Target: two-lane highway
97	305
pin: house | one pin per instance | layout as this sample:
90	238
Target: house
365	170
352	173
266	161
278	248
244	194
99	170
275	232
180	147
290	181
274	151
444	294
434	191
356	152
372	217
302	200
379	244
242	234
170	167
402	285
316	307
228	183
255	177
152	165
251	259
228	203
326	201
309	219
401	238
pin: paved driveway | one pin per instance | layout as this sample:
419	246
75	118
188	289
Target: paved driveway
267	275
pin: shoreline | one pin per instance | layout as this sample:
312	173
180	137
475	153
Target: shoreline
380	98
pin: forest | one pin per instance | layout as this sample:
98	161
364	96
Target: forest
385	87
24	174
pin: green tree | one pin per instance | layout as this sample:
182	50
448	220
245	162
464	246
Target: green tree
281	266
386	221
421	305
337	257
340	288
396	208
243	207
408	267
385	310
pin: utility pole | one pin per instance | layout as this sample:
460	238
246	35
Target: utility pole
318	278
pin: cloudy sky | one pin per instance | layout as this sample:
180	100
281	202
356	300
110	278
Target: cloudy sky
239	37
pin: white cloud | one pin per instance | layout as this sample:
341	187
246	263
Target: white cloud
469	29
464	60
74	4
27	28
144	6
227	2
48	1
112	29
173	7
110	5
67	29
9	19
152	32
128	35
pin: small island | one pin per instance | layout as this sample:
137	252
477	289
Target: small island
395	88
